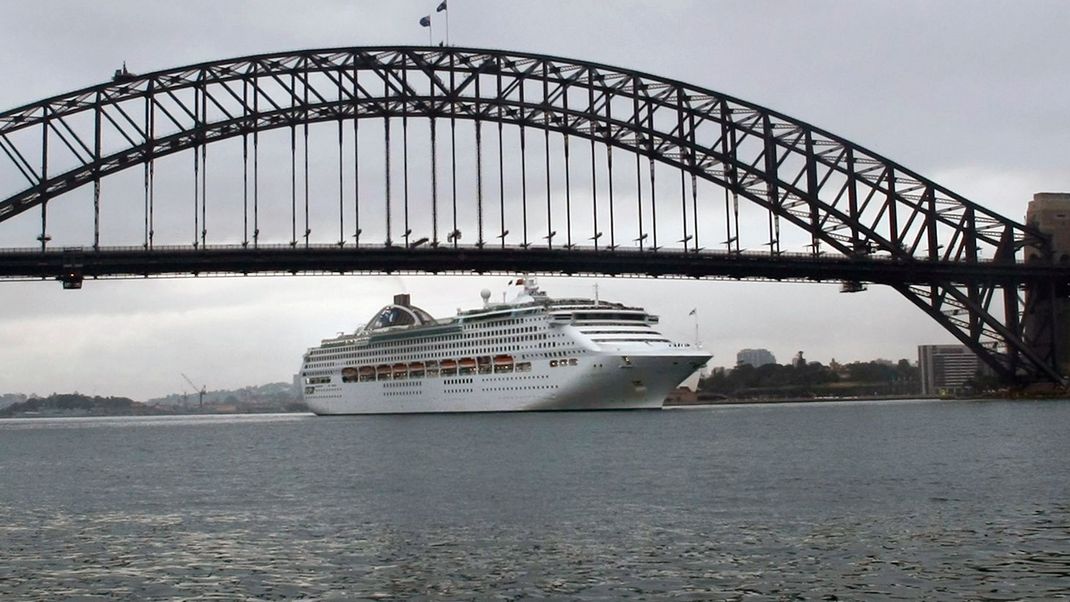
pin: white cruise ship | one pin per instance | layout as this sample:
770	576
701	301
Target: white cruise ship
533	353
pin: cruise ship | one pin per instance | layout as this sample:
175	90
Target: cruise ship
529	354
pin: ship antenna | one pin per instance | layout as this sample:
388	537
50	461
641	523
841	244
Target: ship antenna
596	293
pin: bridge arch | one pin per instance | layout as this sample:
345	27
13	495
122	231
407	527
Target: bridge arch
855	205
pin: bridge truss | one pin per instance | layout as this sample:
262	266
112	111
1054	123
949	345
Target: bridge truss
705	165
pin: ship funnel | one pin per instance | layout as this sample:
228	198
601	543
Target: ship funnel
402	300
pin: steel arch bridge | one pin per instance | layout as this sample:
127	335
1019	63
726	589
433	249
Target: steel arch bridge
603	155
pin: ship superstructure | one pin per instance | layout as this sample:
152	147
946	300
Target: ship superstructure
532	353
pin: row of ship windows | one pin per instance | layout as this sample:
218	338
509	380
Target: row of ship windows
479	347
325	368
513	378
497	330
312	390
404	383
476	333
472	338
464	390
447	352
647	331
404	375
466	348
496	342
430	370
331	348
549	354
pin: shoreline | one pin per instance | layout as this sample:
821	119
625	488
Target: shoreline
782	400
667	405
776	400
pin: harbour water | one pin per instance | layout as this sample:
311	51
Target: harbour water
864	500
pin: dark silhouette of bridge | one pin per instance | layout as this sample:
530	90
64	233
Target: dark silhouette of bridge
453	159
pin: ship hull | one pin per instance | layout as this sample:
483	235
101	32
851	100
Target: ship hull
597	381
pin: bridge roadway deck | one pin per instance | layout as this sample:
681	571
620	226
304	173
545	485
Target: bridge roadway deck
76	263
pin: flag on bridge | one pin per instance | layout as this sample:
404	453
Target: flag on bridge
425	21
442	8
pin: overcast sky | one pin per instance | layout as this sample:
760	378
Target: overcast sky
970	94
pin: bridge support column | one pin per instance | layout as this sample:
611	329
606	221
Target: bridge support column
1046	320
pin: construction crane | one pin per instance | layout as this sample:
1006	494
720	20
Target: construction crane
200	392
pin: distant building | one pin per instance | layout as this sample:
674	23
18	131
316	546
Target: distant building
755	357
798	361
946	368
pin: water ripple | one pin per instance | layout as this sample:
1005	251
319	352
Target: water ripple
725	505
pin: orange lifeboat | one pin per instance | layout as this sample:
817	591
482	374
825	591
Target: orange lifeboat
503	363
367	371
447	367
400	369
467	362
349	374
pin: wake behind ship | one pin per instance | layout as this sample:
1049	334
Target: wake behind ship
533	353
